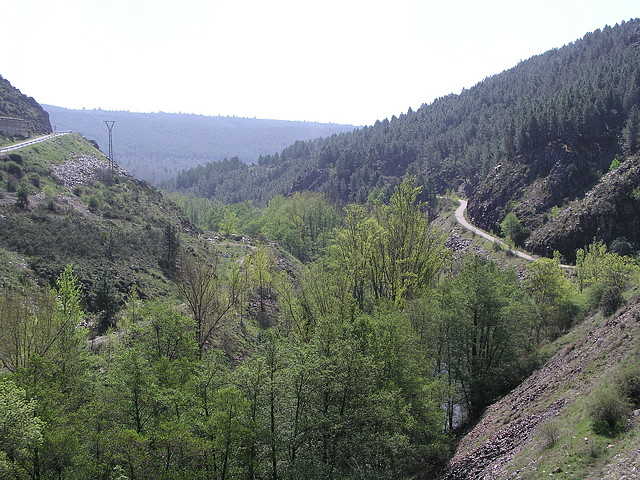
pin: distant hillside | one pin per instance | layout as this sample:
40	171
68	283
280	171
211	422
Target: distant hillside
155	146
527	140
15	105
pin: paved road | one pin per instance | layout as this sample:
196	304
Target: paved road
460	211
31	141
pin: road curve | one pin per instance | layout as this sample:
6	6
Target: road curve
460	211
31	141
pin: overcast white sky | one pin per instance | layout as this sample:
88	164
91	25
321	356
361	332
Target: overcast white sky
342	61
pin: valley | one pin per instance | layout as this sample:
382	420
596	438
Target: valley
336	310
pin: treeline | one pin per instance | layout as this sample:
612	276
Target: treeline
156	146
366	359
583	94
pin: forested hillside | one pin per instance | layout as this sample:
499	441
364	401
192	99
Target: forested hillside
567	113
155	146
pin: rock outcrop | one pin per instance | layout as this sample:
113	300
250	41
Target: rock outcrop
15	105
606	212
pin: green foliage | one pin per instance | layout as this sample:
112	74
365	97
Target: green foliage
615	163
608	411
620	246
22	195
300	223
169	250
105	299
631	130
480	331
211	294
611	300
627	381
513	230
554	298
391	253
604	274
20	428
229	223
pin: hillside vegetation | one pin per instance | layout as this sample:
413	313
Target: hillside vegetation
156	146
224	359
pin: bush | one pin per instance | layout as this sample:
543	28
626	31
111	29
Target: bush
512	228
14	169
22	196
628	382
620	246
550	433
14	157
611	300
608	411
34	178
93	204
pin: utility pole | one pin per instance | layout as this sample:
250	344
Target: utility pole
109	124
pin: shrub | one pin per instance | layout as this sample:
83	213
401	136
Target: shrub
12	183
15	157
620	246
550	433
611	300
34	178
512	228
22	196
608	410
93	204
14	169
628	382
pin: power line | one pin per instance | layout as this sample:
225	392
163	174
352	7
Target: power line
109	124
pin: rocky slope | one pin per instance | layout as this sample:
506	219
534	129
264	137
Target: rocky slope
541	429
606	212
16	105
564	197
531	184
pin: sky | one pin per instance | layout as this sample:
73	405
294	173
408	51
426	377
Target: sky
340	61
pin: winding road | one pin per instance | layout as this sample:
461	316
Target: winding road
460	211
460	218
31	141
